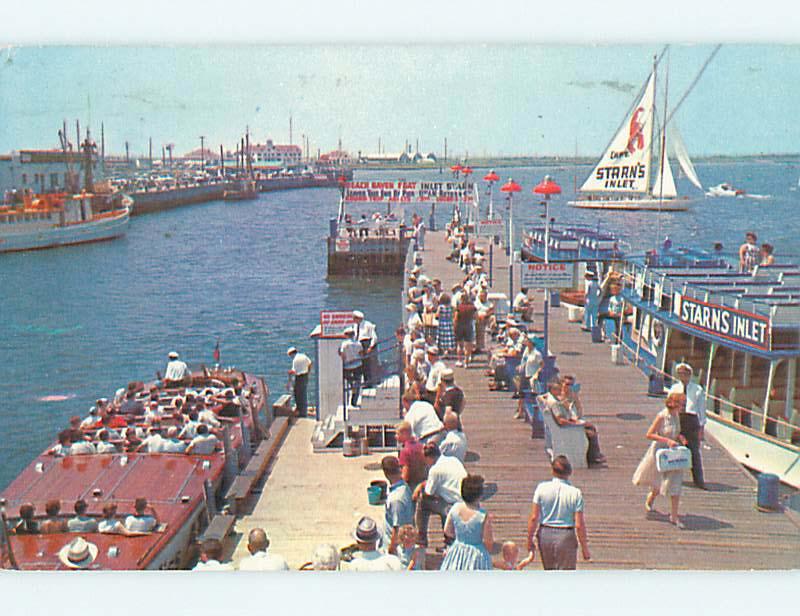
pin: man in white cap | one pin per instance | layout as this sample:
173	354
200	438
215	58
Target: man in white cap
693	419
301	366
368	558
177	373
366	335
435	374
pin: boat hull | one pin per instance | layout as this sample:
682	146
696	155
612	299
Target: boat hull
756	450
632	204
106	228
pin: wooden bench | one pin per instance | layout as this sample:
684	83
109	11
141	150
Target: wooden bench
568	440
283	406
243	484
219	528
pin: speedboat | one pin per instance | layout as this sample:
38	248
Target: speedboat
725	190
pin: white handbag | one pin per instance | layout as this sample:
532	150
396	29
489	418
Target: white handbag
673	459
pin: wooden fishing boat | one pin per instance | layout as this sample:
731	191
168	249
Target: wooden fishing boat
182	488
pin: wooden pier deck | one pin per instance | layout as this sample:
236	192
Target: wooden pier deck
723	528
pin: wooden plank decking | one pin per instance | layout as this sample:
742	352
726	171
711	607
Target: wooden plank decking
724	530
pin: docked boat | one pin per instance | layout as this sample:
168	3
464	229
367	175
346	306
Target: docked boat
60	219
626	177
182	488
740	332
244	190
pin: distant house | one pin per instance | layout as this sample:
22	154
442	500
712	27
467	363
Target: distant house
210	157
272	154
337	158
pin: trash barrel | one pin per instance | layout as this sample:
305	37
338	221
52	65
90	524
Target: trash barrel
574	314
374	495
768	493
616	355
597	334
555	299
382	485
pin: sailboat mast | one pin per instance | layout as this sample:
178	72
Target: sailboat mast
648	188
663	154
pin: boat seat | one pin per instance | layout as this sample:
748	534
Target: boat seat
219	528
756	417
568	441
726	409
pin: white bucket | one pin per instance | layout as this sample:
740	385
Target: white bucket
616	354
574	314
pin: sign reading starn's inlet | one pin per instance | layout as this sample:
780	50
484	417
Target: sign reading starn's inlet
546	275
746	328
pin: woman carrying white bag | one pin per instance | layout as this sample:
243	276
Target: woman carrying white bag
665	434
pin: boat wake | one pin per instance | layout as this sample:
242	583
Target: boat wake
56	398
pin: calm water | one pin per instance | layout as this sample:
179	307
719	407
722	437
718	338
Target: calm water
80	322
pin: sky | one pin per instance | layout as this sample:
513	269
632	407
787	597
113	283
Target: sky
485	99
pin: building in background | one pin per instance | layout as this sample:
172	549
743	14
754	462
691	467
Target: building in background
42	171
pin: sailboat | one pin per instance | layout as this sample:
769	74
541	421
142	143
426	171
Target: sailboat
622	178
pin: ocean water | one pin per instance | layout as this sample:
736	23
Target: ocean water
77	323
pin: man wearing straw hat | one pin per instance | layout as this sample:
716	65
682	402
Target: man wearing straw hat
368	558
693	419
78	554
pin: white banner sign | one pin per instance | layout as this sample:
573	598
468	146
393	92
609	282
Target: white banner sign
491	228
334	322
408	192
546	275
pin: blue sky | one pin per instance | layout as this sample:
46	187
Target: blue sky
495	99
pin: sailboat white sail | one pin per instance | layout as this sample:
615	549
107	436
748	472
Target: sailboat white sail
682	154
625	166
624	179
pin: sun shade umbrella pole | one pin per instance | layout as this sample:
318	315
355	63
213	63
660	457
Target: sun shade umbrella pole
511	187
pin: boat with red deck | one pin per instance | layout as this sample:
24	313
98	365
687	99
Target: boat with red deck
182	488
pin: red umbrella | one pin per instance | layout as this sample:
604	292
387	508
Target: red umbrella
491	177
466	170
510	187
547	187
456	168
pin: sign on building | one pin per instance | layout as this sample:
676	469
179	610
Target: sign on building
491	228
408	192
751	330
546	275
333	322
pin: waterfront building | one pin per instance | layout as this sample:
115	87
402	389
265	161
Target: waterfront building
41	171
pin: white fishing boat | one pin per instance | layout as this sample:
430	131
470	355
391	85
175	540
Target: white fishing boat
624	178
724	190
52	220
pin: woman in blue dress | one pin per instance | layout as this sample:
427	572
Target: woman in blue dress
471	529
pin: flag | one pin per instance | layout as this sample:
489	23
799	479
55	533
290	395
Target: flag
216	352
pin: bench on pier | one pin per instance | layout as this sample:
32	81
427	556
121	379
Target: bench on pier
283	406
569	440
243	484
219	528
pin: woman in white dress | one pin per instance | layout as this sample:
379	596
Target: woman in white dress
664	432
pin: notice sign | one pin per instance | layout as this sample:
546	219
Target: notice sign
491	228
546	275
746	328
333	322
342	244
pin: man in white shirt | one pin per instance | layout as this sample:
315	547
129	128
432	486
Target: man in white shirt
439	491
81	447
141	521
301	367
207	416
368	558
523	306
172	444
435	374
484	318
351	353
204	443
210	555
154	442
177	373
424	422
260	559
556	515
693	420
455	441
